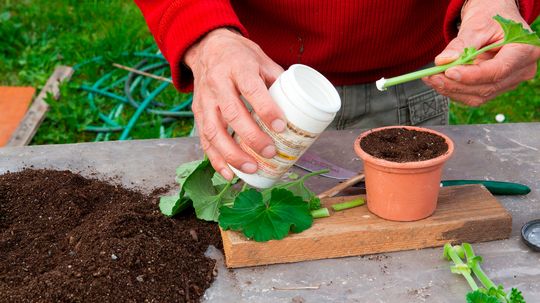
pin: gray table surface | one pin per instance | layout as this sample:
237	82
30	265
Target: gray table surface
494	152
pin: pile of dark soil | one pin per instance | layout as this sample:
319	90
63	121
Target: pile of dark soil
403	145
65	238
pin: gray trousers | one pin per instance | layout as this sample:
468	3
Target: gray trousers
412	103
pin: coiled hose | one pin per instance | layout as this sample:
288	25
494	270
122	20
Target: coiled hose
143	102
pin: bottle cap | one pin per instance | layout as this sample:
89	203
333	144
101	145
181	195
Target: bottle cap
530	233
312	92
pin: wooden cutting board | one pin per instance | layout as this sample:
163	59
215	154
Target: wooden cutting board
466	213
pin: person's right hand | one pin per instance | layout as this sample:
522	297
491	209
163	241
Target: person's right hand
226	65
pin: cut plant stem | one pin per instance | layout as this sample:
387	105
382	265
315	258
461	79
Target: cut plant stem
348	204
320	213
382	84
459	267
474	264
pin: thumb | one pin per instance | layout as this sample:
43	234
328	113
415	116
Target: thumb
454	49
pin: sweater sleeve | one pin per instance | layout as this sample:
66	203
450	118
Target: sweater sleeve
529	9
178	24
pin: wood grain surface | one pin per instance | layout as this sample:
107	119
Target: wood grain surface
466	213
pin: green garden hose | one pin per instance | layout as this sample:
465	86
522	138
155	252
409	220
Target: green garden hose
132	82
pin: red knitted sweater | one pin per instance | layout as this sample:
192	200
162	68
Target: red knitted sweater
349	41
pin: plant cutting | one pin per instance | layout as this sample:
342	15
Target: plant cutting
487	292
261	215
403	167
514	32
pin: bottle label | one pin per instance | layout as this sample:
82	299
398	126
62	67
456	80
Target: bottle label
290	145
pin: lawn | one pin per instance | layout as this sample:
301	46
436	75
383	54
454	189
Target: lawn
38	35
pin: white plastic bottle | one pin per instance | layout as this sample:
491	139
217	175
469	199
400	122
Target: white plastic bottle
310	103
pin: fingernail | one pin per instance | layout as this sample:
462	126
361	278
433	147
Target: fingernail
249	167
278	125
227	174
453	74
269	152
437	82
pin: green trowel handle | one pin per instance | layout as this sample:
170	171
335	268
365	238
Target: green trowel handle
494	187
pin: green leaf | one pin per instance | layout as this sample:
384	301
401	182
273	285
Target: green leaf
266	220
298	188
218	179
314	203
200	189
183	171
515	296
172	205
201	185
514	32
479	297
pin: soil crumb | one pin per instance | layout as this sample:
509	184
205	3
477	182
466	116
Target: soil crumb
66	238
403	145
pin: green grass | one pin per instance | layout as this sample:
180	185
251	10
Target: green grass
519	105
38	35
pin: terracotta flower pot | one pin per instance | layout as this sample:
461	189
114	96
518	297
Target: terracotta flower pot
402	191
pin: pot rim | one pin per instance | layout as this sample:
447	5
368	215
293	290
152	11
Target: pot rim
404	165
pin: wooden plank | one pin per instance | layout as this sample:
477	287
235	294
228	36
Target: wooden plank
464	214
36	113
14	102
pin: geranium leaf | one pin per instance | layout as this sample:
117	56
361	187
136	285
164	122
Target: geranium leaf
183	171
266	220
514	32
480	297
516	296
198	186
172	205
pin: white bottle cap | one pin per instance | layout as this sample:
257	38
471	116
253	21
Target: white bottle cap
312	93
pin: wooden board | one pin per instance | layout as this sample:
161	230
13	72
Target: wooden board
466	213
14	101
35	115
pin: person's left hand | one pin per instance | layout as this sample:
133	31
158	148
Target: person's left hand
494	72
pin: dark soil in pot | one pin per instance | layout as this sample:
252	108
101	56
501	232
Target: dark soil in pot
66	238
403	145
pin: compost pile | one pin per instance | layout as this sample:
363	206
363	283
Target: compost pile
66	238
403	145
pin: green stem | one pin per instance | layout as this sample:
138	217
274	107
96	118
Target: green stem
451	254
348	204
320	213
223	191
230	204
437	69
227	186
244	187
475	266
298	181
418	74
470	280
315	173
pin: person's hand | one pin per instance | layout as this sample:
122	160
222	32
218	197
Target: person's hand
494	72
226	65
